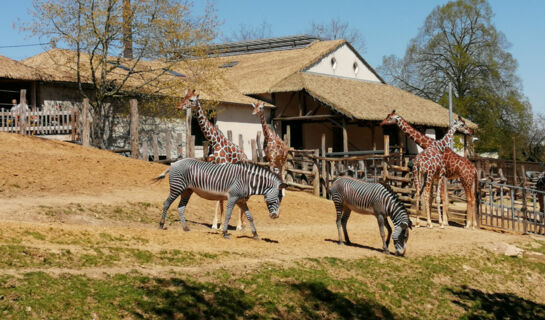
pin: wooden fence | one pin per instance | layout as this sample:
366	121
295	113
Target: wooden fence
511	208
40	122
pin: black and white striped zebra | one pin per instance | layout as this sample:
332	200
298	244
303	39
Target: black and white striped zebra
232	182
371	198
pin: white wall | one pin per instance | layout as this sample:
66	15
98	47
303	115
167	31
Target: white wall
240	120
345	59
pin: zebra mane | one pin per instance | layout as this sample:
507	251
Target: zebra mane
393	194
260	168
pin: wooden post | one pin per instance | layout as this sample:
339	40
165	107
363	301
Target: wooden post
254	151
288	135
74	123
133	103
155	145
385	160
241	142
192	146
86	131
168	144
22	116
316	173
324	191
230	135
145	151
514	164
345	137
259	147
188	116
180	143
205	151
524	211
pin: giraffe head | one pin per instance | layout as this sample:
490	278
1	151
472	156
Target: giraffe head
190	100
391	118
461	126
258	108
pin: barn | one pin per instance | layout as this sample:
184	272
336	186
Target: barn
311	87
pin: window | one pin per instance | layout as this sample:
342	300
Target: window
355	67
333	63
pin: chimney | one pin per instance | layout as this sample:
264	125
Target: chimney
127	29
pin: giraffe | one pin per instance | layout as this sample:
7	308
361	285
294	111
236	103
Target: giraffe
457	167
431	165
224	151
276	150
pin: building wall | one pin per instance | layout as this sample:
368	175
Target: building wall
344	67
240	120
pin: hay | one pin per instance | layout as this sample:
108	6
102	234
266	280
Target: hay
12	69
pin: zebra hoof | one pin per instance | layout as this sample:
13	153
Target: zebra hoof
225	235
385	251
186	228
161	226
255	237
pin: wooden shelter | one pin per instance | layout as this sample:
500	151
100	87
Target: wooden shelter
15	76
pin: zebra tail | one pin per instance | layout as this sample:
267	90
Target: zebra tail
161	176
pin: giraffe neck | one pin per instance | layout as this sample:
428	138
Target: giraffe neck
267	133
418	137
446	141
210	132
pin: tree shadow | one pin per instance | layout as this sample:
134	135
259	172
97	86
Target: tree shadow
481	305
176	299
320	302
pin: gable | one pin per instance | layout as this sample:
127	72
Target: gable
344	62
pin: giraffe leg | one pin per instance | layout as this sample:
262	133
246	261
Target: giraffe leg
416	183
239	223
426	200
219	207
444	196
438	202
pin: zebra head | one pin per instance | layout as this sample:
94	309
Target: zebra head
273	198
401	236
191	100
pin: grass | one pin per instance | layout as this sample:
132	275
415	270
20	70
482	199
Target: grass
479	286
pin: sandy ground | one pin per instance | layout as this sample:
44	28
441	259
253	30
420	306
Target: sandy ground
36	173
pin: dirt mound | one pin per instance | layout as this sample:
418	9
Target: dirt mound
31	165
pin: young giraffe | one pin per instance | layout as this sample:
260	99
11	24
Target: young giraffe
276	150
457	167
431	165
225	151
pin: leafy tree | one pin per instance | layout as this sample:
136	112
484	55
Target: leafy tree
533	149
338	29
114	43
458	43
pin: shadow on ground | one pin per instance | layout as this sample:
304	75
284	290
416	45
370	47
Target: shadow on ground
481	305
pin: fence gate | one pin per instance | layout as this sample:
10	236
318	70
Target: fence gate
511	208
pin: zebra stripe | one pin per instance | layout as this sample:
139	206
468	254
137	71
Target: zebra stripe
371	198
232	182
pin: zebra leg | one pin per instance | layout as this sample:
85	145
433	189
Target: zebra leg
339	210
219	207
389	228
231	202
181	207
171	197
380	220
344	220
244	208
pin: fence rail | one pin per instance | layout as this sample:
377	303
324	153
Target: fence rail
40	122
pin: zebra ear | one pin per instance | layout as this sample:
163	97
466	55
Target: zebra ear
283	185
410	225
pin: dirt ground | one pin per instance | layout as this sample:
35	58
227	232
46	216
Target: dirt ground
37	174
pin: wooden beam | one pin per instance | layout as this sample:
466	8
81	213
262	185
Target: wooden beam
314	117
345	136
133	128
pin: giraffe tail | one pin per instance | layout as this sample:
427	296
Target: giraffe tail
161	176
424	183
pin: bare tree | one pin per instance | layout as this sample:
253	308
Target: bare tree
247	32
338	29
113	42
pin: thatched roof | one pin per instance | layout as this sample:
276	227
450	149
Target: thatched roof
365	100
12	69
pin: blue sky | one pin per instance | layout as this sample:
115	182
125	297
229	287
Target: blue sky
387	26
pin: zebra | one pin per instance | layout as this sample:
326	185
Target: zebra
232	182
371	198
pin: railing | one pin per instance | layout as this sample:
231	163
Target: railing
511	208
40	122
